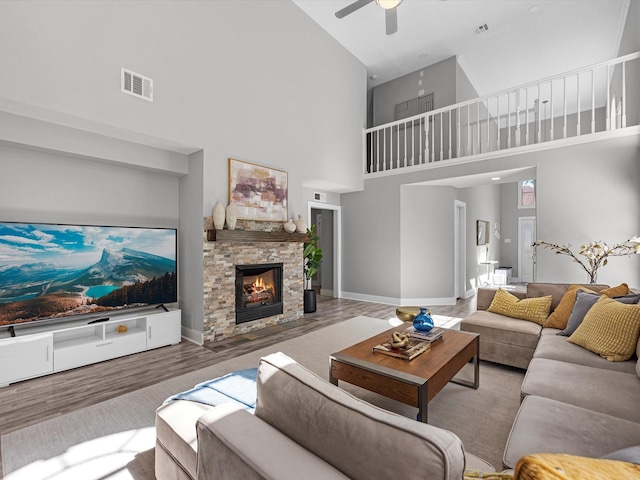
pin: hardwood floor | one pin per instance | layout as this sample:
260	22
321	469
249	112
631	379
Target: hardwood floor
33	401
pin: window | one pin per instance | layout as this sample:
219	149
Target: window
527	194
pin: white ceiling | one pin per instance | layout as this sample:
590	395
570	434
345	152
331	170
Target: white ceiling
520	45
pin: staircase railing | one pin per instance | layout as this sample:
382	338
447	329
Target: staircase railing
576	103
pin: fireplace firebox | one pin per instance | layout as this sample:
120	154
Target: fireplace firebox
258	291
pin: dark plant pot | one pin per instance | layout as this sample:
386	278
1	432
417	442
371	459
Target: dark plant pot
309	301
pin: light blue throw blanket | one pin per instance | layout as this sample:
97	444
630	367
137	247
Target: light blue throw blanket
237	387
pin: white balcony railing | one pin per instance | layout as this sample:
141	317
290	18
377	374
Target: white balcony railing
581	102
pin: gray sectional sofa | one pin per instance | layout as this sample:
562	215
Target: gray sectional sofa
573	401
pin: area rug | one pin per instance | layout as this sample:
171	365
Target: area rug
115	439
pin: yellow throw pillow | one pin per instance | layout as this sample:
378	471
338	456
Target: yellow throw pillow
610	329
619	291
533	309
471	474
560	466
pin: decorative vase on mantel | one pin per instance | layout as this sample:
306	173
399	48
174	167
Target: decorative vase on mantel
301	225
289	226
218	215
232	216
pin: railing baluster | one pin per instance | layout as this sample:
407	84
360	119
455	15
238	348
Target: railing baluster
593	101
441	132
488	126
427	158
624	95
608	119
578	105
526	115
564	106
498	122
450	128
433	139
539	117
551	112
469	151
509	120
458	138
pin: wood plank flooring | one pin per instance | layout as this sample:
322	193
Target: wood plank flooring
33	401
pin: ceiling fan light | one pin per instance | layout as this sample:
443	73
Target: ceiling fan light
388	4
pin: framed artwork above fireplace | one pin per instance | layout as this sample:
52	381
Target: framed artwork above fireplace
258	192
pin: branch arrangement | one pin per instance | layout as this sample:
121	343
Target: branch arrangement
595	253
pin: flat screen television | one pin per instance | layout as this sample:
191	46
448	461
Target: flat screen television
51	271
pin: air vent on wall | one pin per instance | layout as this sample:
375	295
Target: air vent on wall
320	197
136	84
481	29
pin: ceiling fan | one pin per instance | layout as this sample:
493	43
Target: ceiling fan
391	15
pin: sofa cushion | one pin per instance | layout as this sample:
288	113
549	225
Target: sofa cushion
554	347
533	309
176	431
597	389
559	466
234	444
344	431
498	328
610	329
557	290
546	425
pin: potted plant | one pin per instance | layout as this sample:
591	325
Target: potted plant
312	257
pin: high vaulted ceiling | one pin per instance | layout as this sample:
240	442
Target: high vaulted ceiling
526	40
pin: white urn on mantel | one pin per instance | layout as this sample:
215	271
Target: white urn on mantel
301	225
218	216
290	226
232	216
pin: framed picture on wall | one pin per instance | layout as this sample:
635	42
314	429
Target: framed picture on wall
258	192
482	231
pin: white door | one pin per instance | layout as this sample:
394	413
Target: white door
526	251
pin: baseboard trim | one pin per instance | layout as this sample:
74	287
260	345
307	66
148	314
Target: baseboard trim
192	336
398	301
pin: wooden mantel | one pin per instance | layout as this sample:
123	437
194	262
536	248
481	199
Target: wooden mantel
254	236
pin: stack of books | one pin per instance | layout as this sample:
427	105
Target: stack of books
415	348
431	336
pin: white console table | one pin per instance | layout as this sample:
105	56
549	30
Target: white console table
41	350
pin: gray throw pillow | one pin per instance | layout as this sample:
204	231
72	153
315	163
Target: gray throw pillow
629	454
584	302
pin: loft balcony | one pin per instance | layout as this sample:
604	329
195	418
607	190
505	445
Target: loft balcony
592	103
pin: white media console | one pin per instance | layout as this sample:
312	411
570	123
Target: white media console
41	350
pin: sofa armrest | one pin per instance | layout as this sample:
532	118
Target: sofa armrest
233	443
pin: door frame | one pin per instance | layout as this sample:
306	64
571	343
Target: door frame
459	249
337	242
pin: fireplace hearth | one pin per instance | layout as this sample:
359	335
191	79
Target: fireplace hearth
258	291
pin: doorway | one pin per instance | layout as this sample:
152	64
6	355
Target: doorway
327	219
526	250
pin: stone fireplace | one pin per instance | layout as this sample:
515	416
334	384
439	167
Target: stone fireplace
256	248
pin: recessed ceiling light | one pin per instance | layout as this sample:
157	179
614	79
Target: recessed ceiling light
373	77
423	55
495	178
534	9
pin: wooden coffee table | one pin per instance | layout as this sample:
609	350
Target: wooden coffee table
415	382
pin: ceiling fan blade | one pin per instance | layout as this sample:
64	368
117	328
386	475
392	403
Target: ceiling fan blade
391	17
352	8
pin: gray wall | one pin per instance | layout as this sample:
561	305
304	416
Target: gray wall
257	81
438	79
